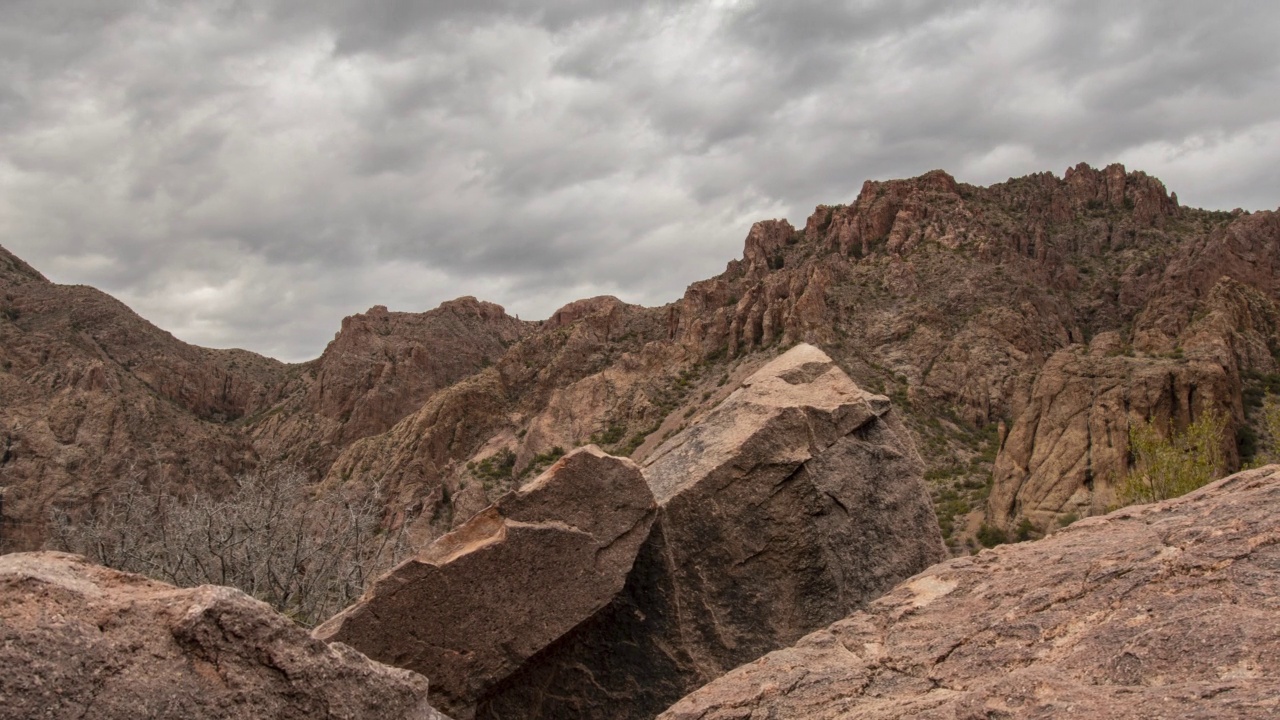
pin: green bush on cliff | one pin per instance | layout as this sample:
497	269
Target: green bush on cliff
1165	468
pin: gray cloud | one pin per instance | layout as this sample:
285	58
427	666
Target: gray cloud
247	173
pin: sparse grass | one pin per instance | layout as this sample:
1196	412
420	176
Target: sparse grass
496	468
611	435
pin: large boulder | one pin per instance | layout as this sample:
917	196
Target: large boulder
1165	610
478	602
80	640
794	502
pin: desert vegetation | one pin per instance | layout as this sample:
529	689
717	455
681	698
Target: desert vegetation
307	554
1167	467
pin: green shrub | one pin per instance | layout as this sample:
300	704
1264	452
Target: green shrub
542	460
991	536
614	433
1166	468
495	468
1026	530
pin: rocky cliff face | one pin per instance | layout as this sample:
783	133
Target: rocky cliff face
1165	610
796	499
380	368
95	397
1210	323
78	640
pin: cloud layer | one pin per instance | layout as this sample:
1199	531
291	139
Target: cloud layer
245	174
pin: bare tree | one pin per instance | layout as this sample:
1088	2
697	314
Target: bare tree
308	555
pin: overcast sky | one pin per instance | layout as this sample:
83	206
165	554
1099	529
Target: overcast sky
244	174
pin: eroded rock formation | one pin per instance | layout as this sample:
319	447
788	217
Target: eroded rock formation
1165	610
1069	450
79	640
469	609
795	500
381	367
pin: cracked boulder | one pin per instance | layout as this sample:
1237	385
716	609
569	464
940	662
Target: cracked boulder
472	607
794	502
80	640
1165	610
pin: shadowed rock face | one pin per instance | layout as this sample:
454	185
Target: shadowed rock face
1165	610
484	598
796	500
100	644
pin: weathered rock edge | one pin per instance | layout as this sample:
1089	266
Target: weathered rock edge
795	501
1164	610
476	603
80	640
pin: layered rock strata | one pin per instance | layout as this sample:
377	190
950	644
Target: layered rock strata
1165	610
481	600
797	499
79	640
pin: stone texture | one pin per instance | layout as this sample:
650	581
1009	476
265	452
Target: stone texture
473	606
794	501
79	640
1166	610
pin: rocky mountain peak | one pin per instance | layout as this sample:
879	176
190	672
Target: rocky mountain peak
571	313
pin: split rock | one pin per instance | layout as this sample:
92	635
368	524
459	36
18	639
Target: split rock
794	502
478	602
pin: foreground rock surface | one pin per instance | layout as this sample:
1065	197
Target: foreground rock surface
79	640
795	501
484	598
1165	610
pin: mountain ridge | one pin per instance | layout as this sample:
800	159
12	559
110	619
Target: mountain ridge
950	298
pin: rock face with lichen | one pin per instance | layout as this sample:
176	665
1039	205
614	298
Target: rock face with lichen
78	640
1165	610
795	500
469	609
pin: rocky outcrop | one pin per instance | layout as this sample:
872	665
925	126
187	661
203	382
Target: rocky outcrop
381	367
554	389
1213	319
1165	610
946	296
78	640
1068	451
794	501
478	602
